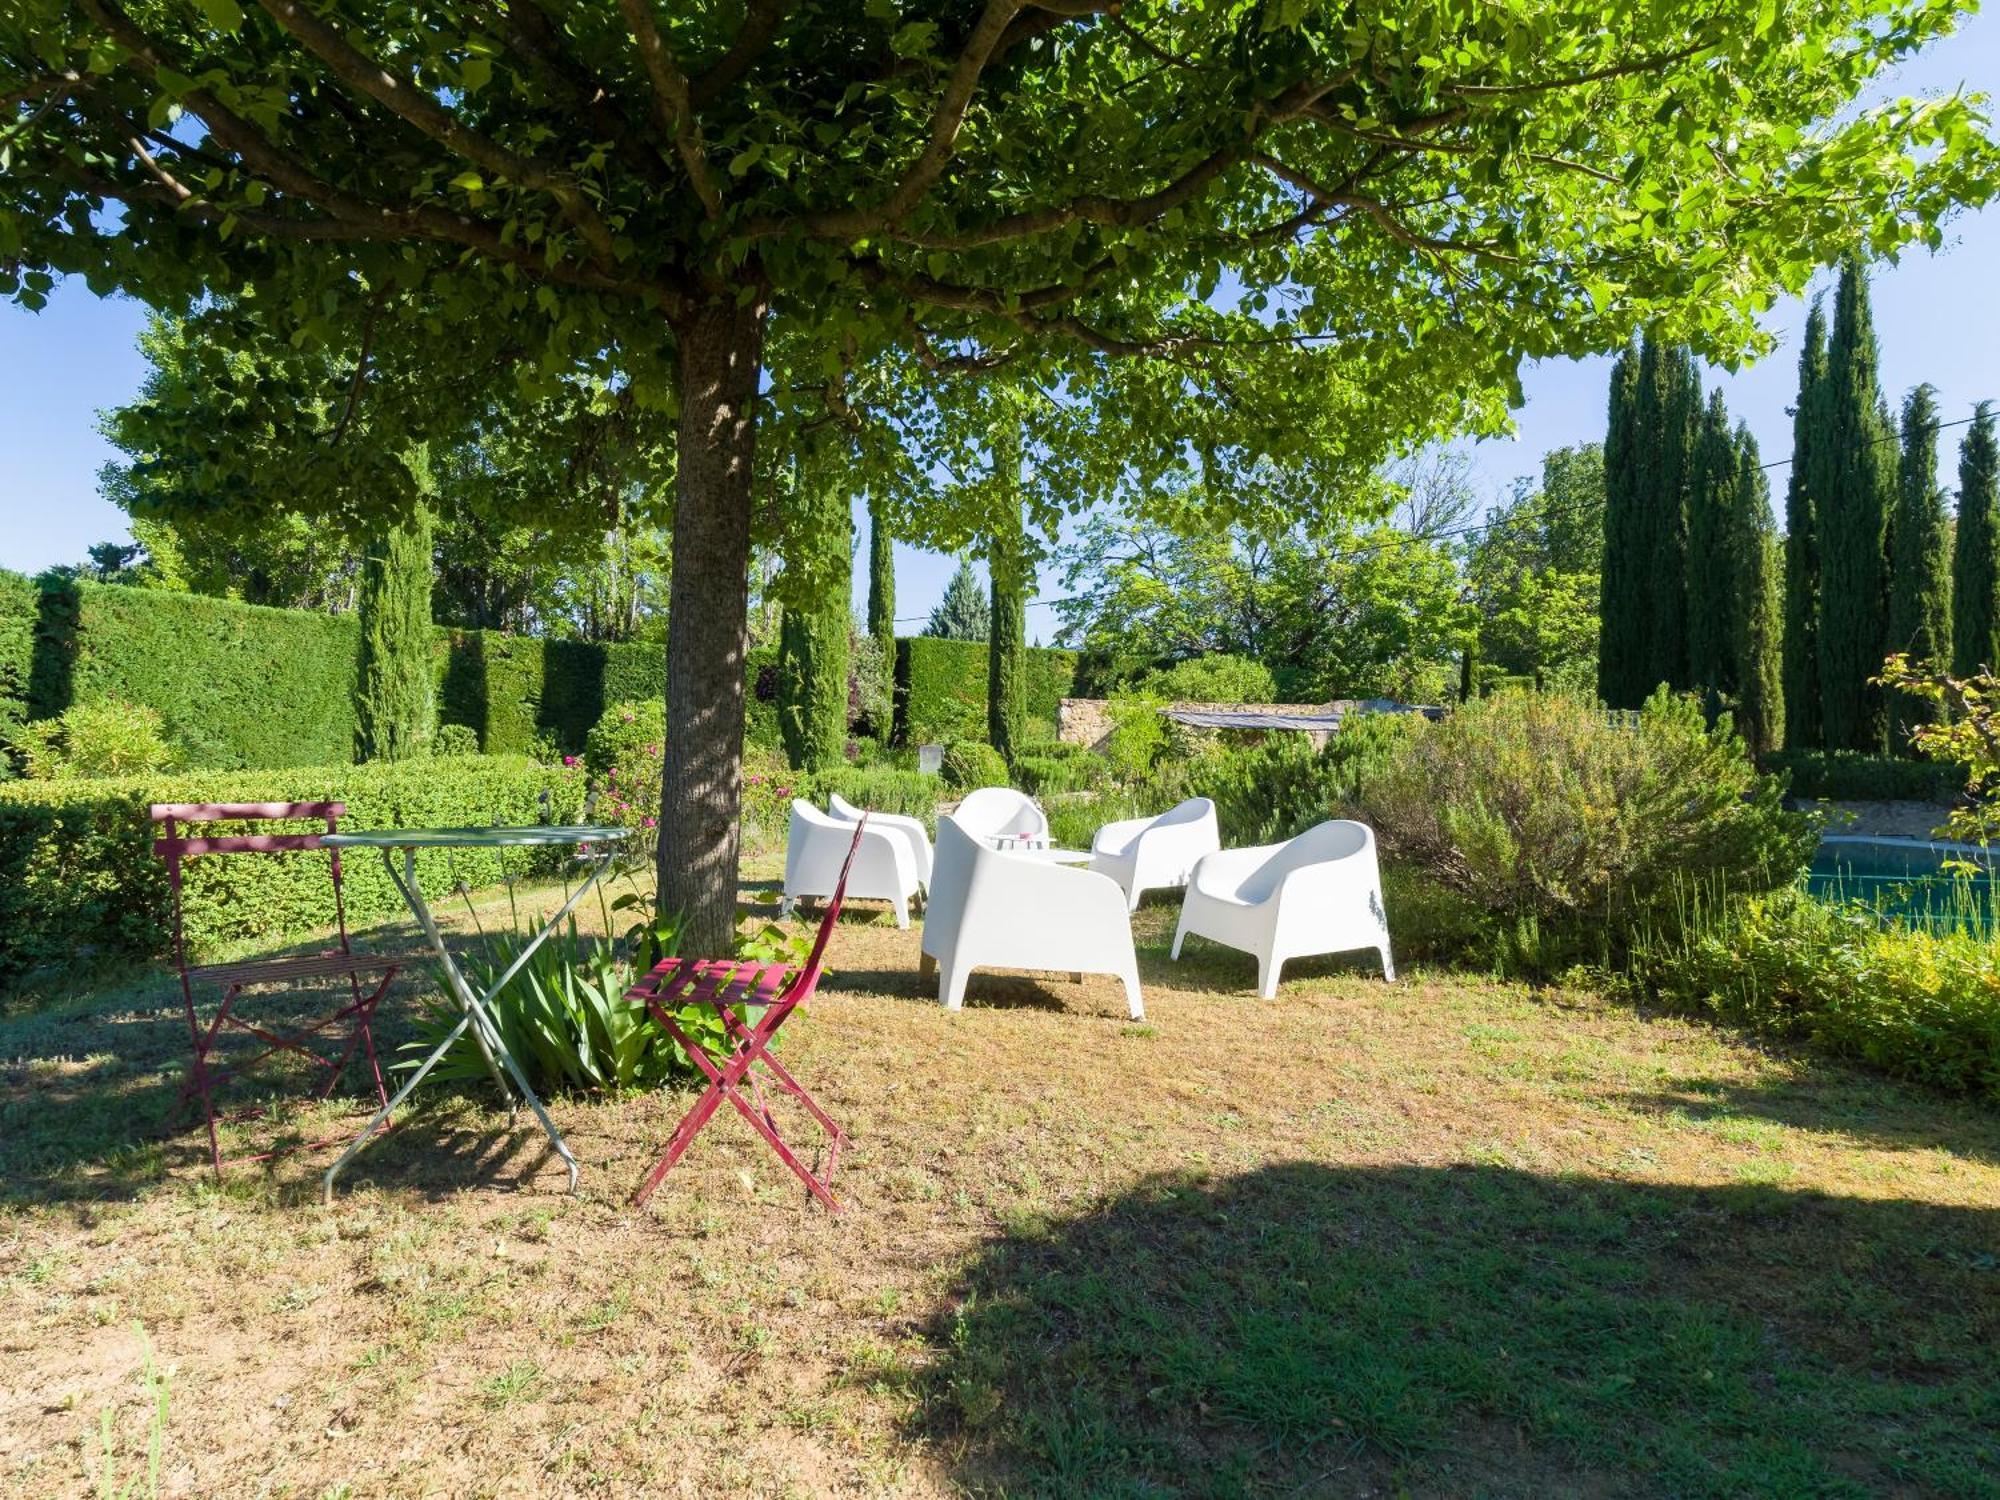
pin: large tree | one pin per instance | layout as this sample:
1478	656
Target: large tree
395	696
1534	572
1756	625
1854	489
1975	562
1323	227
1623	596
1801	643
1712	604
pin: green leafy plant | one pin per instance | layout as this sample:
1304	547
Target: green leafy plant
878	789
108	737
159	1395
1050	775
1216	678
970	764
1915	1002
623	753
1570	831
457	739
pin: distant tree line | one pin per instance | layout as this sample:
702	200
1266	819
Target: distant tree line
1698	593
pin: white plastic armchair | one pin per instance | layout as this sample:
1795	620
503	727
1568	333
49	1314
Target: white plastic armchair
992	909
1319	893
884	869
1000	812
912	829
1152	854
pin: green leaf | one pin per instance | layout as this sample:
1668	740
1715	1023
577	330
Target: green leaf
471	181
223	15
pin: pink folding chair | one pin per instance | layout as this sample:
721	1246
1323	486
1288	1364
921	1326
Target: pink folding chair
176	847
731	985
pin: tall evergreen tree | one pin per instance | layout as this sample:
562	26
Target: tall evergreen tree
1624	601
1669	418
1856	496
881	578
1756	613
1711	563
963	613
1801	651
1009	571
815	590
395	703
1920	575
1975	563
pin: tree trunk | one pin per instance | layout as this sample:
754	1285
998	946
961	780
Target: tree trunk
701	783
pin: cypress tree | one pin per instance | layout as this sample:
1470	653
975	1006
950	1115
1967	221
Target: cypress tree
815	589
1711	561
395	704
962	614
1669	417
1856	496
1624	602
1008	569
1801	653
881	579
1975	563
1920	575
1756	613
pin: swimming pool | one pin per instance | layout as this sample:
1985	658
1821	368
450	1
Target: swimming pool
1907	878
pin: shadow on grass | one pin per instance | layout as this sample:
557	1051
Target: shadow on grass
1841	1102
1476	1330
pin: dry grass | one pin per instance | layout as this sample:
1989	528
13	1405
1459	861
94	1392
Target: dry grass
1443	1237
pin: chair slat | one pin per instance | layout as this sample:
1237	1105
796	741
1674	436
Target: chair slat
237	843
215	812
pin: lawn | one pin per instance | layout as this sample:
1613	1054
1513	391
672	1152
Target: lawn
1446	1237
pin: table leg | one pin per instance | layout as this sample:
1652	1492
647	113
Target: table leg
491	1045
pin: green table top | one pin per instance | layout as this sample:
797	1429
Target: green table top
476	838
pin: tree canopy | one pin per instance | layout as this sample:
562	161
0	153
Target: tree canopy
1322	230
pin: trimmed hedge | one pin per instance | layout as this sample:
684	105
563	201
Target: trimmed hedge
242	685
1848	776
941	688
78	875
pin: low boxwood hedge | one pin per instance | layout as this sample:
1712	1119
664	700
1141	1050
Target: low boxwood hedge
79	880
1849	776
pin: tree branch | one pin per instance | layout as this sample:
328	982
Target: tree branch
671	96
761	19
420	109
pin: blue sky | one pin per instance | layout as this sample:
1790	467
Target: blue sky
1937	317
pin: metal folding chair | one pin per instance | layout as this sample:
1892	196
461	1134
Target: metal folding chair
732	986
356	1015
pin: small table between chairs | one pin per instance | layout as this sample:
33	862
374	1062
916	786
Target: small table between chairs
596	846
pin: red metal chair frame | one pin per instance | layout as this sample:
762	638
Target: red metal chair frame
176	847
729	985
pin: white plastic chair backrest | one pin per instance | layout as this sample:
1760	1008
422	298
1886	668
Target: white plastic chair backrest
1191	811
806	813
1000	810
953	857
841	808
1337	838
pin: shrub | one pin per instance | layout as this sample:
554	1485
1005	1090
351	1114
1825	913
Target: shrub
1220	678
105	738
1140	737
1569	831
970	764
941	688
1051	775
1921	1005
1848	775
878	789
78	875
624	753
458	740
1268	792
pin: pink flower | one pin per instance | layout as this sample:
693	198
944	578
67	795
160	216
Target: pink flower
569	760
650	822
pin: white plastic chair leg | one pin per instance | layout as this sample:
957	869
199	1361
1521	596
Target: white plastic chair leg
1180	933
951	986
1388	965
1134	1005
902	912
1268	970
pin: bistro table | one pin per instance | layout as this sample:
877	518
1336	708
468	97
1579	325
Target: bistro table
1048	854
596	847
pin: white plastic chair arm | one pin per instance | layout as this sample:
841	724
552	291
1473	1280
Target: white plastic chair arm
1220	873
1113	837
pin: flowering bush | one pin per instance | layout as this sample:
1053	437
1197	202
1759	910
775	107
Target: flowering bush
768	788
623	755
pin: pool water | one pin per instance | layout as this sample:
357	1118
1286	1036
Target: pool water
1907	879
